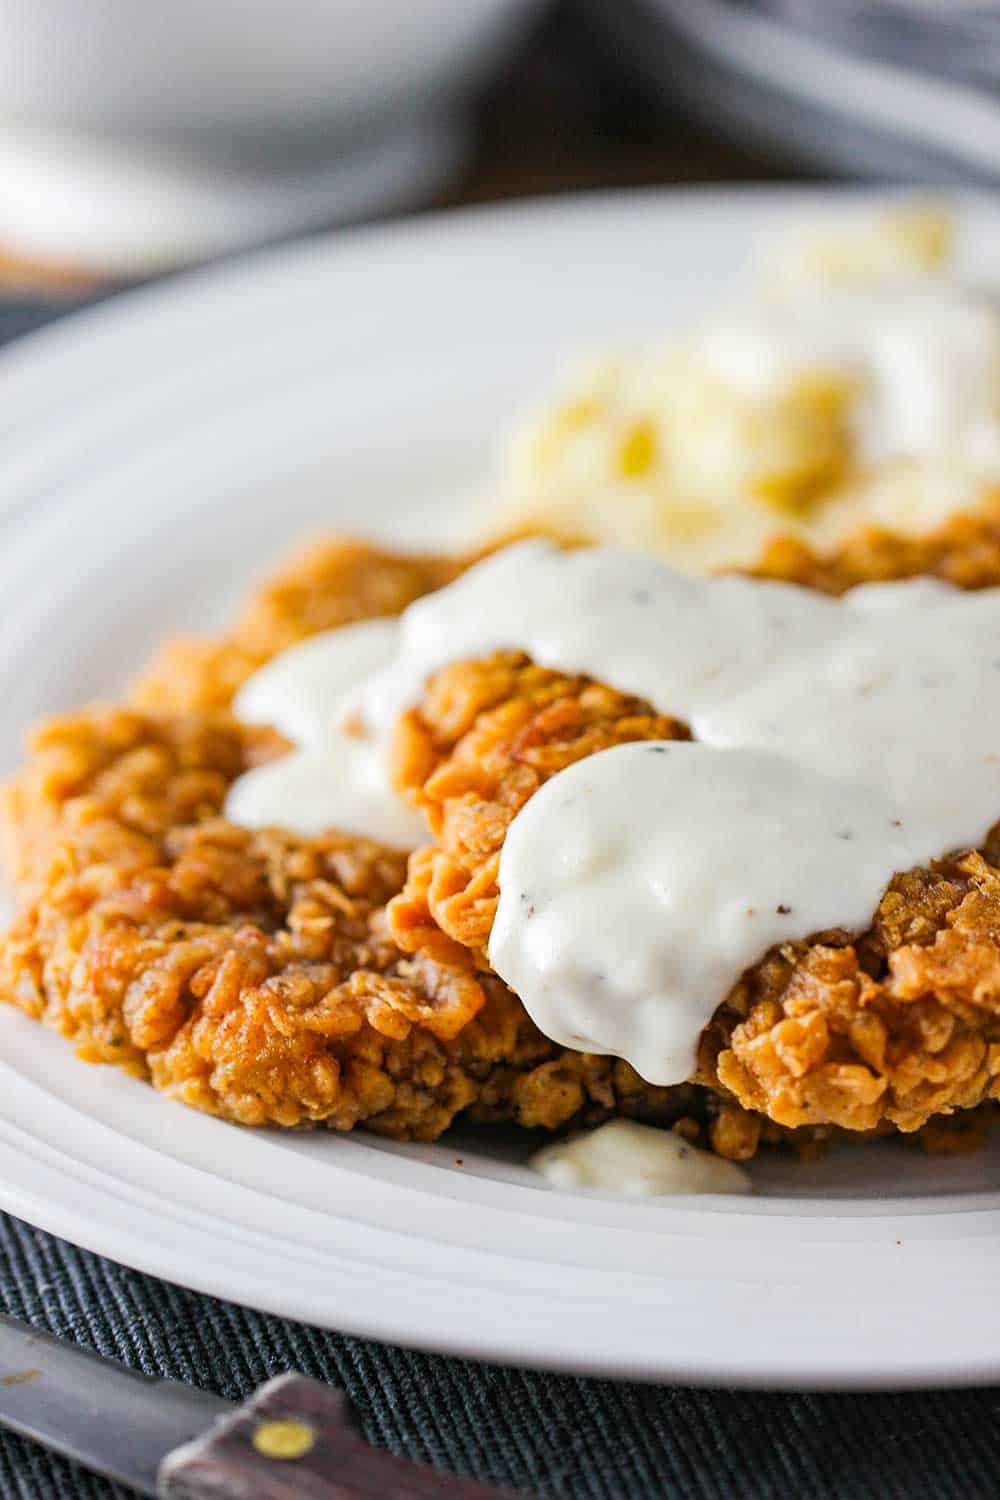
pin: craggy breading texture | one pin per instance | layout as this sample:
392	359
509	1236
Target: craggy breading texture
964	552
891	1028
251	974
331	583
258	977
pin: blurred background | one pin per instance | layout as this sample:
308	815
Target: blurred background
138	139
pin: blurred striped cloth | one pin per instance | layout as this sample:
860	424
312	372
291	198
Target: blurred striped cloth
935	36
904	88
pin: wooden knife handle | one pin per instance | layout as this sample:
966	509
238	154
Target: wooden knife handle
296	1439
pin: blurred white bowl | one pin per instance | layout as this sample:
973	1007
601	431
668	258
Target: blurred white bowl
135	135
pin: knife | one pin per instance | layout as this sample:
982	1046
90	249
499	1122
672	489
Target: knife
294	1439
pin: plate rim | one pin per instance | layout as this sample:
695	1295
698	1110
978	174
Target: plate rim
25	368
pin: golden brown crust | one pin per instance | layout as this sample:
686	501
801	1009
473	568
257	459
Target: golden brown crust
91	774
329	583
487	735
247	974
898	1026
251	975
889	1028
255	975
964	551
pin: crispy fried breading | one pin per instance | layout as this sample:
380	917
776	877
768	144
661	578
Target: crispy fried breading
487	735
251	974
964	551
900	1025
255	975
330	583
94	774
881	1029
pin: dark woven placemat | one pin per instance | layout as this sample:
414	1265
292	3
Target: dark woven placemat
549	1434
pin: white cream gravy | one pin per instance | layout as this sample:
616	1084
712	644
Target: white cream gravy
839	741
639	884
332	779
638	1161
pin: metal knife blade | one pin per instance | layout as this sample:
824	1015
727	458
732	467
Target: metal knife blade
115	1422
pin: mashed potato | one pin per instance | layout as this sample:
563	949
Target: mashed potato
859	382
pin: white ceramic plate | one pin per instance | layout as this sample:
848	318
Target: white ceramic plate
156	454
